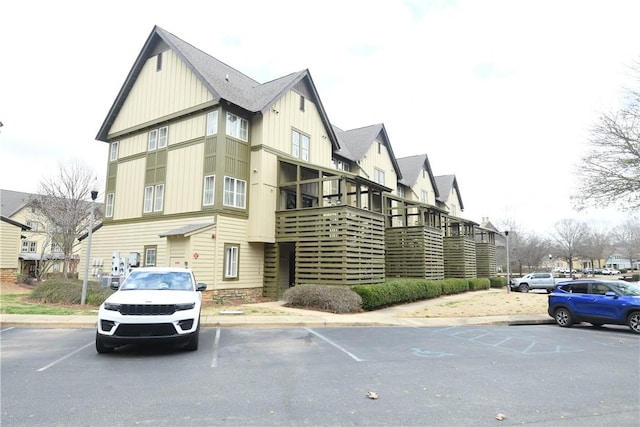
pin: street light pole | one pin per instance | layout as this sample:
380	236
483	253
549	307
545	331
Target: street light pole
506	233
83	299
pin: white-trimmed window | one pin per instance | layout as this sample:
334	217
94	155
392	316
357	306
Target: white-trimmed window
209	190
163	136
150	257
212	122
237	127
235	192
56	248
28	246
153	198
152	142
35	225
113	152
300	145
108	205
424	196
231	262
401	191
378	176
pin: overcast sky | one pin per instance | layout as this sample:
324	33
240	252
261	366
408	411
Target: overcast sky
500	93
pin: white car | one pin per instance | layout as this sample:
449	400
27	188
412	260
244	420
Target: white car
153	304
609	271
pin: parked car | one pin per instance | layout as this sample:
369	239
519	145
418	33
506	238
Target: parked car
598	302
153	304
609	271
534	281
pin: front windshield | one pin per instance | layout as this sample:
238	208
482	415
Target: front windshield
155	280
625	288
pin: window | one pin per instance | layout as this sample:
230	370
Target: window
163	135
401	191
150	256
152	143
378	176
113	154
158	138
153	198
108	208
212	122
300	145
28	246
379	148
301	102
234	192
237	127
56	248
159	62
424	196
340	165
35	225
209	188
231	262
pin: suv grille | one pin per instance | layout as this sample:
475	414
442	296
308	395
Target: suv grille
149	330
147	309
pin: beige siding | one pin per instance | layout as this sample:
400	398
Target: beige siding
183	187
9	245
129	189
155	94
263	197
423	183
251	261
276	128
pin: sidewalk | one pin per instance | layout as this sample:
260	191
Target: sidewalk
295	317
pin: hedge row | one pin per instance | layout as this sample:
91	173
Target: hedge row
397	291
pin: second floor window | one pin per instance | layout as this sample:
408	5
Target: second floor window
212	122
401	191
237	127
35	225
153	198
113	153
108	205
235	191
28	246
56	248
300	145
209	190
424	196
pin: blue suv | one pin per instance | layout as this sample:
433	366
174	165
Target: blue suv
597	302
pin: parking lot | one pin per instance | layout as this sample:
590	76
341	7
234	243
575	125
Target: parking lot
464	375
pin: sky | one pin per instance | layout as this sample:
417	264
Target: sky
500	93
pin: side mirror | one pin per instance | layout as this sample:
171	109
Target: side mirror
201	287
611	294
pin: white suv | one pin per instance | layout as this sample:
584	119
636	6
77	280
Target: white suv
153	304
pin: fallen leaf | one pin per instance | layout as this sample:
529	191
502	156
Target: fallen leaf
500	416
372	395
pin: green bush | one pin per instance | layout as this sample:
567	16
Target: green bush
69	291
335	299
454	286
397	291
635	277
498	282
478	284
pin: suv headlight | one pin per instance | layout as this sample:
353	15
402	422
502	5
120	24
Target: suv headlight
185	306
112	306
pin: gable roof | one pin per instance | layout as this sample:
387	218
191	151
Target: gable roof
225	83
411	168
16	223
355	143
12	201
445	184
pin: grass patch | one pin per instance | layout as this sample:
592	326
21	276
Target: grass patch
19	304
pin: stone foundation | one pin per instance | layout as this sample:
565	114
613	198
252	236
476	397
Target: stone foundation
224	296
9	275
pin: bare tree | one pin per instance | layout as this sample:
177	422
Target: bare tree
531	251
627	238
64	200
610	172
569	238
597	245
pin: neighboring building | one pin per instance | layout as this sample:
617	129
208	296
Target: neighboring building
618	261
11	235
250	185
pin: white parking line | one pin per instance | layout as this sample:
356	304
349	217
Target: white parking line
7	329
327	340
216	342
65	357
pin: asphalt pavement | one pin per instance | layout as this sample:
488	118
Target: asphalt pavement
295	317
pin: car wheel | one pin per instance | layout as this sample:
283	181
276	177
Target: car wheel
101	347
563	317
523	288
634	321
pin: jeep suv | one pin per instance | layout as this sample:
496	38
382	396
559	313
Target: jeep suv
153	304
598	302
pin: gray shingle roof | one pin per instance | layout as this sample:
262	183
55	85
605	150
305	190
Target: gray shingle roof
223	81
187	229
411	168
12	201
445	184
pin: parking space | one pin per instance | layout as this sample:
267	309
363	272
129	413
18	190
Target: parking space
321	376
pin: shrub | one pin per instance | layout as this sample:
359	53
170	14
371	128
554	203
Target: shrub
477	284
397	291
635	277
335	299
454	286
68	291
498	282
